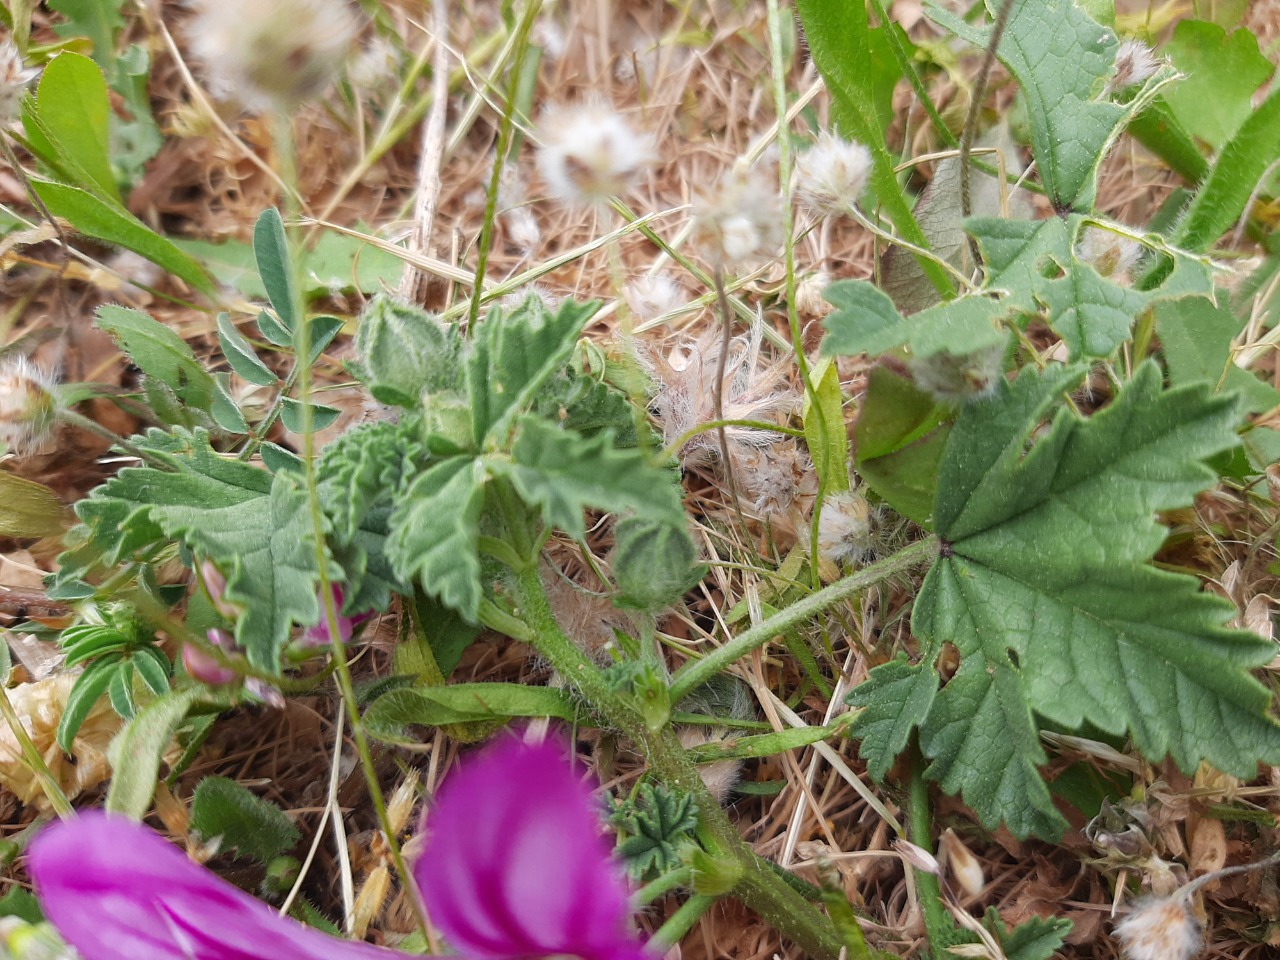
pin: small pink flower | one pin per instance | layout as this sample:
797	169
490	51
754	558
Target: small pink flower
318	635
515	867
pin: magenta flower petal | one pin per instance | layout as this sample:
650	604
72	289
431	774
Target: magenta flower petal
318	634
515	864
118	891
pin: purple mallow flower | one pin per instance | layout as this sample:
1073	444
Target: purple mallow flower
515	867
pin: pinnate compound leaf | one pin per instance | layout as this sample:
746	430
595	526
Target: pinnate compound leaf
434	531
1061	58
563	473
1044	587
514	354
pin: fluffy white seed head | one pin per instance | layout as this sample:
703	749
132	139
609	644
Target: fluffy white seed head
652	295
375	66
1161	928
742	219
844	527
272	54
28	410
589	153
831	175
14	77
1135	64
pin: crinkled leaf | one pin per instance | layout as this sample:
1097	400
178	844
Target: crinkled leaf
1061	59
563	473
656	825
1036	938
1035	262
1084	630
514	354
434	533
364	466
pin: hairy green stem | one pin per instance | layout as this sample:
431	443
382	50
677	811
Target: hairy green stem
329	612
699	672
656	889
505	129
937	923
758	886
682	921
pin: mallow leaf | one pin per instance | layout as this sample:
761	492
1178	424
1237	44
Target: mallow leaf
365	466
1035	261
253	525
435	528
1061	59
1044	586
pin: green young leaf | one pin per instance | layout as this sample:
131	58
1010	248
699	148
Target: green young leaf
271	253
435	528
1034	939
1052	604
656	826
895	699
160	353
824	429
898	440
101	220
841	41
1220	69
136	751
654	562
389	717
1070	129
68	120
562	474
241	356
1196	338
322	415
85	693
96	19
254	525
1036	262
405	352
513	355
224	810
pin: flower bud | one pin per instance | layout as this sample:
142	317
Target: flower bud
964	866
201	666
28	410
